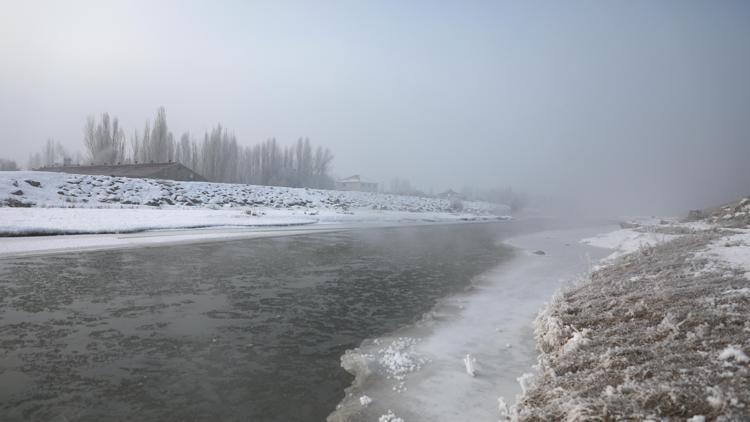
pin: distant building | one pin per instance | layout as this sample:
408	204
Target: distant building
166	171
356	183
450	194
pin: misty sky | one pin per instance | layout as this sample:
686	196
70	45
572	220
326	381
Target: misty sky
639	105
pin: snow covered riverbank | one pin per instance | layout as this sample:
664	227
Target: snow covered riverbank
44	245
660	332
43	203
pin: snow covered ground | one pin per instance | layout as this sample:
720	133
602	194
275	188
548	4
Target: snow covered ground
659	331
625	241
36	203
732	251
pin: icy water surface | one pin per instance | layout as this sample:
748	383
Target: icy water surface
240	330
418	373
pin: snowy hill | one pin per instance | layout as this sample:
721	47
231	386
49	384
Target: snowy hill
63	203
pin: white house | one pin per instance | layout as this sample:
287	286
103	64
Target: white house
357	183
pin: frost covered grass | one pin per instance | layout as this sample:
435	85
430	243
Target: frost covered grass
659	333
38	203
732	215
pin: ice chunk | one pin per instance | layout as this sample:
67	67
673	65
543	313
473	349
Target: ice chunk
365	401
470	362
502	407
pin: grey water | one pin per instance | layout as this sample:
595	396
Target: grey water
236	330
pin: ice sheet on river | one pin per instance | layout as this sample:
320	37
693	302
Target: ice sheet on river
419	373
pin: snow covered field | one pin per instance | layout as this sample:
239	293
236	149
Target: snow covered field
44	203
252	205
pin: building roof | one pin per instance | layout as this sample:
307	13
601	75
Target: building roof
145	170
353	179
450	193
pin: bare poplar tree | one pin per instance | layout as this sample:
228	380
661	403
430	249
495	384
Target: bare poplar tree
161	142
104	141
185	150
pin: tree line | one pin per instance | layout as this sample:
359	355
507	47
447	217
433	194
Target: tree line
8	165
218	157
52	154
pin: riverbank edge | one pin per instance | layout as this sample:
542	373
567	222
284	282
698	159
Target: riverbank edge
13	247
657	333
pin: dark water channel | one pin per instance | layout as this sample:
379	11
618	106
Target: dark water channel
239	330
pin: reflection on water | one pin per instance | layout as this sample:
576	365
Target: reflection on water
241	330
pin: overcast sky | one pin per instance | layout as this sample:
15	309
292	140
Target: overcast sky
636	104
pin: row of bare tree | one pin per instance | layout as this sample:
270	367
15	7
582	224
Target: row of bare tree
8	165
52	154
218	157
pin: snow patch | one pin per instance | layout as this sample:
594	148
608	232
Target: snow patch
735	353
733	251
625	241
